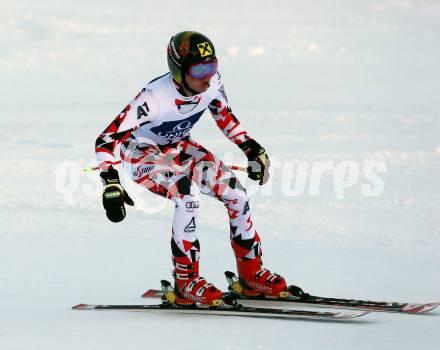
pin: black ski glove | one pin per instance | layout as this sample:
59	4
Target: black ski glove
114	196
258	161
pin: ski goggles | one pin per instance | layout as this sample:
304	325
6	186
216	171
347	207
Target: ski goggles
203	70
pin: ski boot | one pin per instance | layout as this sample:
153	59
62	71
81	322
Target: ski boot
254	280
190	288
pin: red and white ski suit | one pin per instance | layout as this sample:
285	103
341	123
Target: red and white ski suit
159	154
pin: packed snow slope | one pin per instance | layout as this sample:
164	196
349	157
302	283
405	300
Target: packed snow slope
321	81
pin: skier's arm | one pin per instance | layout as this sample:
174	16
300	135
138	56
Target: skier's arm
137	113
134	115
258	160
226	120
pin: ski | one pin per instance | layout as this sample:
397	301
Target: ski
226	306
229	310
296	297
323	302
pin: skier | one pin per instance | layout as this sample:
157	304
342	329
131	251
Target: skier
159	154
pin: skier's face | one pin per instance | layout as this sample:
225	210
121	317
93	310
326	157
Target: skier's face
199	85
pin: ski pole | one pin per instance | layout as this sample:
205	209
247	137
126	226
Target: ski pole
90	168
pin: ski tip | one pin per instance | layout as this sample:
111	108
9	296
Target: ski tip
432	306
354	314
80	307
151	293
419	308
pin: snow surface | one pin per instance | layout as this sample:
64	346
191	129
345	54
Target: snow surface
312	81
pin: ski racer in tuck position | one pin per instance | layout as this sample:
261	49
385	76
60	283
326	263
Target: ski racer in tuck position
158	153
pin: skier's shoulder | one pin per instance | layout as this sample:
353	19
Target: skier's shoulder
155	88
158	84
217	90
160	80
216	80
147	100
158	89
216	85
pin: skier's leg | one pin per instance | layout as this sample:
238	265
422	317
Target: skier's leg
185	247
219	181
